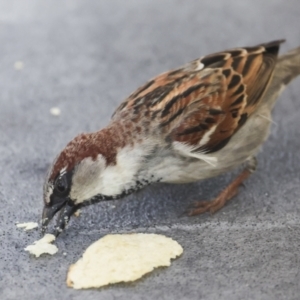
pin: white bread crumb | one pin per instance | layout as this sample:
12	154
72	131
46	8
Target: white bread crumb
18	65
77	213
28	226
43	246
55	111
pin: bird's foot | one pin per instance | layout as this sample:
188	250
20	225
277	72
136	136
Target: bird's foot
213	206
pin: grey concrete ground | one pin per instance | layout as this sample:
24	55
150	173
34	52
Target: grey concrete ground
85	56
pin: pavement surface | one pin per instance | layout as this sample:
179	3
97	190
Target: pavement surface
85	56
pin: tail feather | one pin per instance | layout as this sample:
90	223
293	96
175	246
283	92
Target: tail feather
287	68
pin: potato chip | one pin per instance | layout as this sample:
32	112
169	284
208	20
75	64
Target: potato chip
121	258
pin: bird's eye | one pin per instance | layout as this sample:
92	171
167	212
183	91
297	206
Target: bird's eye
61	184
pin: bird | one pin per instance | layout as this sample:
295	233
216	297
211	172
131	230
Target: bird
198	121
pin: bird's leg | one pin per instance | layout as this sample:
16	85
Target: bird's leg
227	194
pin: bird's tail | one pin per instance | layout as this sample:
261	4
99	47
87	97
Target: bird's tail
287	68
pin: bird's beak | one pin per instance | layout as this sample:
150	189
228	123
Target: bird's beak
63	219
66	209
48	214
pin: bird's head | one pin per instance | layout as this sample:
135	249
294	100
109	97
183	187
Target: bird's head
82	174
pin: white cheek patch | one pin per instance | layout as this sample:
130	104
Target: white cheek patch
85	179
92	178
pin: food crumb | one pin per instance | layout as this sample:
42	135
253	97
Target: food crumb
18	65
43	246
27	226
121	258
55	111
77	213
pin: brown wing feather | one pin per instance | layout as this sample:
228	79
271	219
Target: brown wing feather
206	101
246	75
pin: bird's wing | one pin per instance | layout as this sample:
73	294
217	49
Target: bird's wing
206	101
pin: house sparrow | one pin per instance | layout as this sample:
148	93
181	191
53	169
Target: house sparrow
195	122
